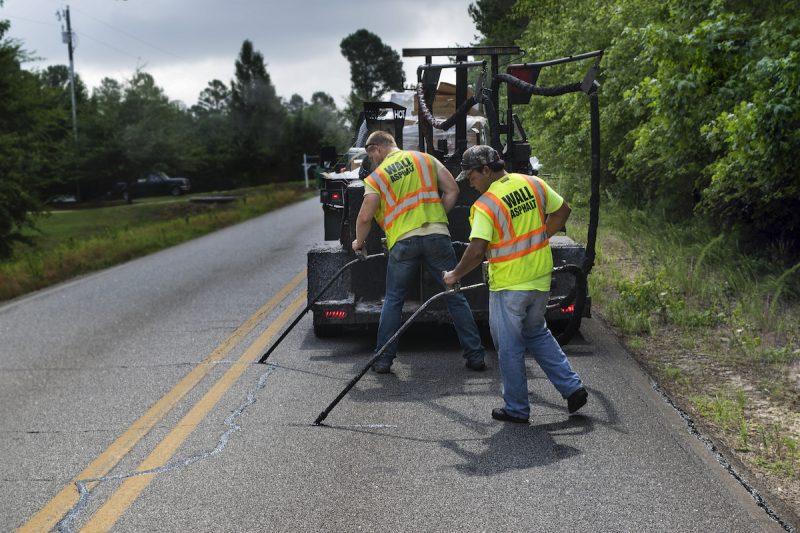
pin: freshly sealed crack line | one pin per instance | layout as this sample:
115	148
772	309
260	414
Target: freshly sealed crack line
692	428
368	426
82	485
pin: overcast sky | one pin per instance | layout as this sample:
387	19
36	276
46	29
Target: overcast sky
185	44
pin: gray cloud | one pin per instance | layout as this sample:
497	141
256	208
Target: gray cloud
186	43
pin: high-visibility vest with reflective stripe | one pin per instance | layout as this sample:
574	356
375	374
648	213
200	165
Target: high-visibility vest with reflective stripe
409	191
519	250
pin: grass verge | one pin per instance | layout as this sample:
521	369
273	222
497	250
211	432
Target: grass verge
717	326
78	241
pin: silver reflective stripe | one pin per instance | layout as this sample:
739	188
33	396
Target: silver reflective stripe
385	192
424	169
500	211
411	200
499	214
524	244
536	184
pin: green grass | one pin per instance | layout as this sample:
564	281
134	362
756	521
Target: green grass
706	314
73	242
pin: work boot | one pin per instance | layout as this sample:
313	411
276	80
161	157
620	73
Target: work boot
577	400
503	416
381	367
477	364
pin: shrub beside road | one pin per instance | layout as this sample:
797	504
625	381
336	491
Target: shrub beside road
716	324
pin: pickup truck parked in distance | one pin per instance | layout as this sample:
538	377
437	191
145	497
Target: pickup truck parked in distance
156	184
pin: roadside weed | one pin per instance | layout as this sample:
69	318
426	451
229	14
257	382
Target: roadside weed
716	321
725	412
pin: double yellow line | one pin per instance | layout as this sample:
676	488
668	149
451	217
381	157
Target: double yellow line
49	516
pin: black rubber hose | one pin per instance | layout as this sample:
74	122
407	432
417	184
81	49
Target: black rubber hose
534	89
444	125
594	198
324	414
361	257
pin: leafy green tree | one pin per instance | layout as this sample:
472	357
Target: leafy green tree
130	129
155	131
308	128
375	68
753	179
216	98
57	77
31	143
257	114
213	131
699	103
295	104
497	21
102	159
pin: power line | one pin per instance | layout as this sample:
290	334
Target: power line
130	35
84	34
6	15
80	33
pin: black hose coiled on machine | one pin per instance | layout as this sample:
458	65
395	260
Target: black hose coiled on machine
483	97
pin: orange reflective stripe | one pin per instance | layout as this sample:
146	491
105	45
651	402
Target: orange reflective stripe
539	192
412	201
426	186
488	211
499	214
515	255
403	203
509	246
528	235
504	212
425	171
384	185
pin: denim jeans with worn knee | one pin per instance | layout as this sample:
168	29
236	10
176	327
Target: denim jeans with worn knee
405	257
516	319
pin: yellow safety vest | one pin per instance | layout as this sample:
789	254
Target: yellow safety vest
519	251
409	191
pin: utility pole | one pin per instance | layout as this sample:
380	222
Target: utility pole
66	37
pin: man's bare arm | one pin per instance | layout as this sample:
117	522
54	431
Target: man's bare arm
556	220
369	207
448	187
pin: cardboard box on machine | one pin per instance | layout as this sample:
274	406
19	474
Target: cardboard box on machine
445	103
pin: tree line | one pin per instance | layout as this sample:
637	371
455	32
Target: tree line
700	103
237	134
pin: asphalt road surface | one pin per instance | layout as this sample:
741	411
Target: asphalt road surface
130	402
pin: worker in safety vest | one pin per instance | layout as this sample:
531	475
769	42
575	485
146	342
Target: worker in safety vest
402	194
511	224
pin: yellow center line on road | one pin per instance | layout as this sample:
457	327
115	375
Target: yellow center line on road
47	518
105	518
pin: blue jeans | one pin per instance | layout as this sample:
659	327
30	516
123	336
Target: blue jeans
405	257
516	319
